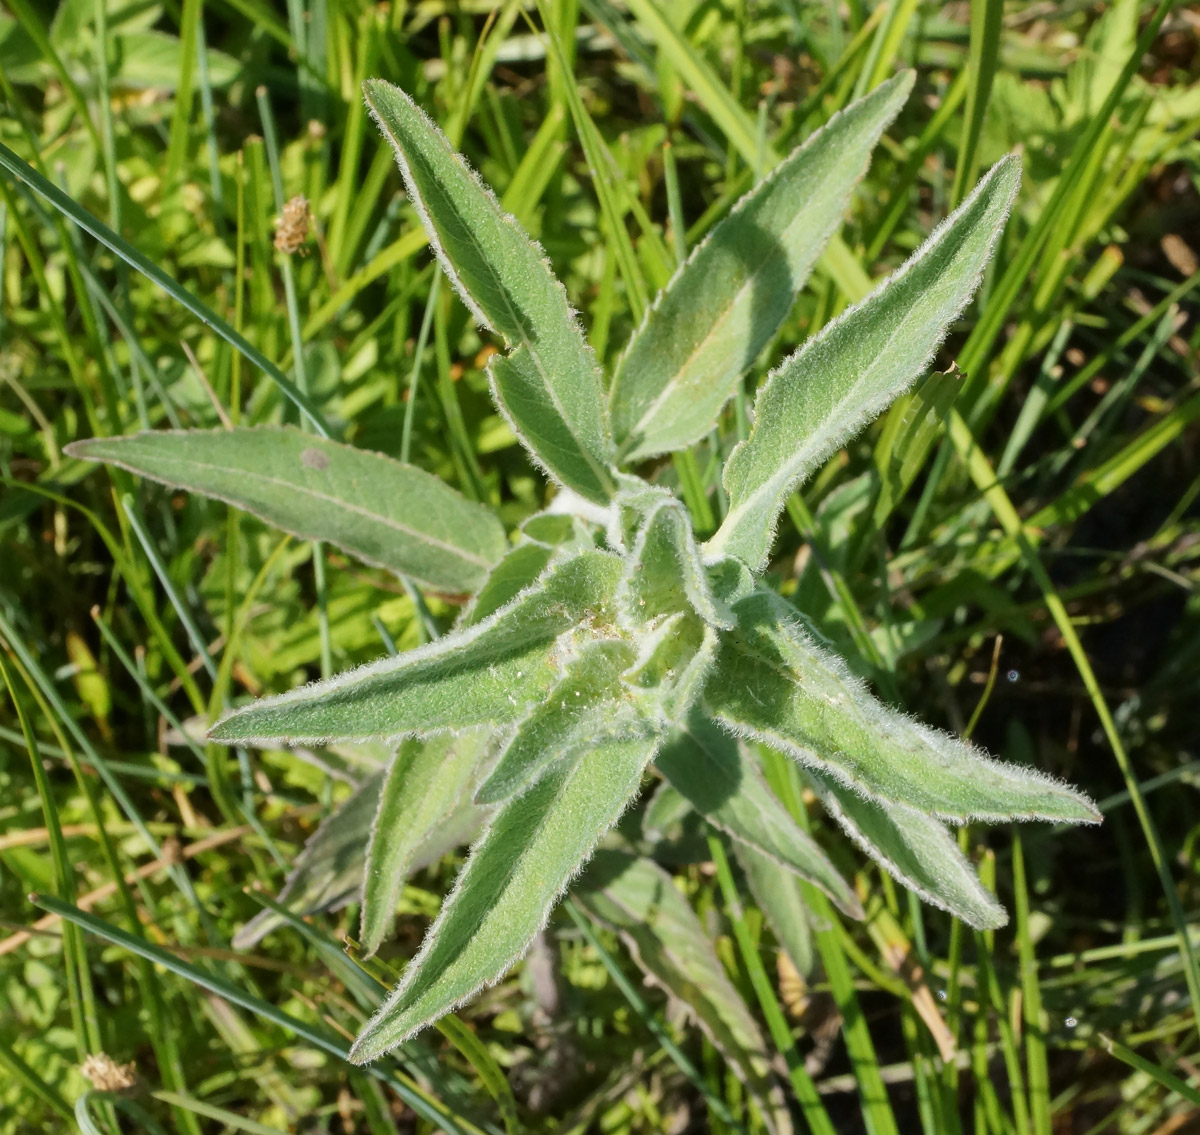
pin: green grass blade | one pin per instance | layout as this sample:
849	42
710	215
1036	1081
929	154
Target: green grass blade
318	1037
143	264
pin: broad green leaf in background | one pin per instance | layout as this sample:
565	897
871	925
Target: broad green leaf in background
531	850
779	895
838	381
735	289
915	849
486	674
388	514
773	682
423	785
709	768
638	899
329	871
550	386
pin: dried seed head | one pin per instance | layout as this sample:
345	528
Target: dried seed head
291	230
106	1075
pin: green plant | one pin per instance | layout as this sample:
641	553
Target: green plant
607	637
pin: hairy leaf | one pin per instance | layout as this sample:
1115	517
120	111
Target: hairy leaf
588	706
664	573
422	787
848	373
636	898
531	850
550	386
724	785
386	513
486	674
915	849
735	289
512	575
775	683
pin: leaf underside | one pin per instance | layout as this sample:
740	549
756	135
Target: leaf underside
388	514
914	848
423	785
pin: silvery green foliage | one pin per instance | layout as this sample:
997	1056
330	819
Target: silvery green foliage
605	638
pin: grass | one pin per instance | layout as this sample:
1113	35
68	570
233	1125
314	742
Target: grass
1012	552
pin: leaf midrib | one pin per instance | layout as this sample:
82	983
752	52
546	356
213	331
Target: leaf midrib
341	502
636	434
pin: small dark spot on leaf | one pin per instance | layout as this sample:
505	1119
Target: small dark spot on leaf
314	459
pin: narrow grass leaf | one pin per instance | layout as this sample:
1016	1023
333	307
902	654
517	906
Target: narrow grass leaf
523	862
638	899
551	386
142	263
715	774
388	514
486	674
844	377
422	787
735	289
915	849
773	682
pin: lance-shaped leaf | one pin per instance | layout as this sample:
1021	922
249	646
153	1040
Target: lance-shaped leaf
735	289
915	849
780	897
486	674
589	705
328	872
848	373
636	898
423	786
386	513
725	786
773	682
529	853
550	386
512	575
